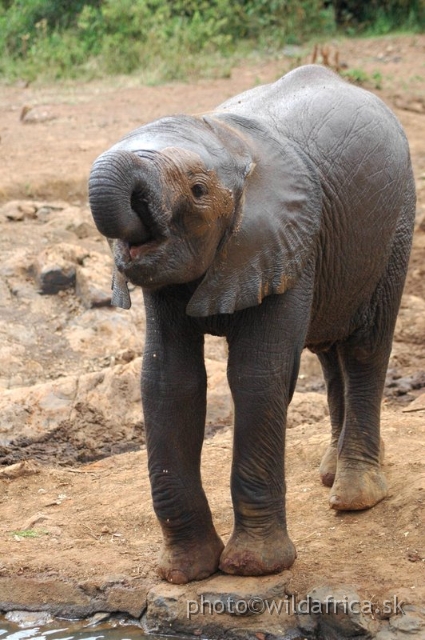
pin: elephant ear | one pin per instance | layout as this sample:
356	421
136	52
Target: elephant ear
277	224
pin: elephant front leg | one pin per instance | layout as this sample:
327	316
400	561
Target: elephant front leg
174	400
263	366
259	544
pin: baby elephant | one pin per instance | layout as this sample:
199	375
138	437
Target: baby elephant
281	220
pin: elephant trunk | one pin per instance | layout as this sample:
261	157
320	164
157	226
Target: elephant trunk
120	190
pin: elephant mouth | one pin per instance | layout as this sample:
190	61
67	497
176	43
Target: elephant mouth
137	251
128	255
152	229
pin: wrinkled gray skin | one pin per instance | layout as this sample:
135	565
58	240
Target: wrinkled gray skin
282	219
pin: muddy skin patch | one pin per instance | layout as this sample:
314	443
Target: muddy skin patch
185	178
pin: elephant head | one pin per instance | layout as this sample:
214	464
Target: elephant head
213	200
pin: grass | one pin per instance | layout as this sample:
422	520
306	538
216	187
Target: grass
360	77
29	533
160	40
166	40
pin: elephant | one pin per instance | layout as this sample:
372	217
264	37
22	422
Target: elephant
282	219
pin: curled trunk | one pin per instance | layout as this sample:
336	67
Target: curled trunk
119	194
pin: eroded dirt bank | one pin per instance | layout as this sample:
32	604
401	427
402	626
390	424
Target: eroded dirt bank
77	531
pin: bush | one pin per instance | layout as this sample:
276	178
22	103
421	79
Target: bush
125	35
381	16
59	38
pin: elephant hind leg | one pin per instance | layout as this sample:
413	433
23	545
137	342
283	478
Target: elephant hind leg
359	481
334	380
335	386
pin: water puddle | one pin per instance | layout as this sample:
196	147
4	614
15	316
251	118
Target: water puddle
74	630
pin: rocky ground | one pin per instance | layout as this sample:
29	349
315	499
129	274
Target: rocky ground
77	531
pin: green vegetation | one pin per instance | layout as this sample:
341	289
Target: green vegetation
360	77
174	39
29	533
379	17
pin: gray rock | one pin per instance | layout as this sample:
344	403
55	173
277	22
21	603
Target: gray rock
55	277
411	621
37	114
37	410
47	210
55	268
97	618
27	619
84	230
210	608
335	613
132	600
243	595
19	210
93	281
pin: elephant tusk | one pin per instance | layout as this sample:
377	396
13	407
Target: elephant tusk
120	293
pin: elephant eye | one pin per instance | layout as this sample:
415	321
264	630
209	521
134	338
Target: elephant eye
199	190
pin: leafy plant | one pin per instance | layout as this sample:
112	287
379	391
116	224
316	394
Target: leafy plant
173	39
360	77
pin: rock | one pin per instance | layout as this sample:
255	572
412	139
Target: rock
167	608
416	405
396	385
38	410
17	265
131	600
84	230
45	210
242	595
59	597
93	281
420	226
24	468
411	621
307	408
64	598
310	376
208	608
410	326
336	612
55	268
219	399
33	411
27	619
19	210
55	277
417	105
97	618
5	294
35	115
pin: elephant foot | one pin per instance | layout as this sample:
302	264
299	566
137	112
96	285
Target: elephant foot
328	464
249	555
182	563
357	487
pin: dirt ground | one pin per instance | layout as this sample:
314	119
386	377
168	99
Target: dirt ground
78	531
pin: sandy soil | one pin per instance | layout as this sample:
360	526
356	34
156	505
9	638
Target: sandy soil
93	533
